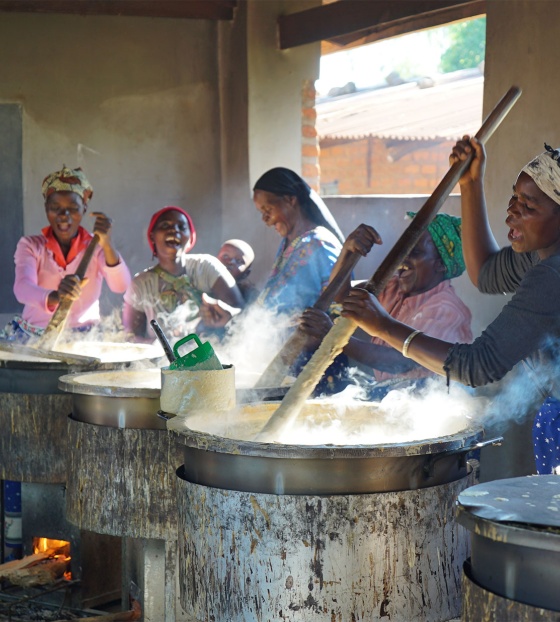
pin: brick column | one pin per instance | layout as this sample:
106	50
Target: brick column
309	140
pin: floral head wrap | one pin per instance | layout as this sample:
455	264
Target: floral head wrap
284	182
545	172
155	218
445	231
67	180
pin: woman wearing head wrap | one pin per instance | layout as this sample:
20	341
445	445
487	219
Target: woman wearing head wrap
238	256
45	264
311	240
420	294
171	291
528	327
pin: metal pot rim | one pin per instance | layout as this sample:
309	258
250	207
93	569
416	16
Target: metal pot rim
530	536
68	384
463	441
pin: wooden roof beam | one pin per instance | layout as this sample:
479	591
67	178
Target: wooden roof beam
347	23
191	9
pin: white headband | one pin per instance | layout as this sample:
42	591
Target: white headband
545	172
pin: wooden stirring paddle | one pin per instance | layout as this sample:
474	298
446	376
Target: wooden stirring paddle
339	335
49	339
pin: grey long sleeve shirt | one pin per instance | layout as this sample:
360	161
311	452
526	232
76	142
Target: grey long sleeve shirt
527	328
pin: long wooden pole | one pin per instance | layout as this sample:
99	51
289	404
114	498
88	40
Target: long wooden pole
339	335
49	339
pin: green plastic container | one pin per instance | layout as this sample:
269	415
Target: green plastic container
200	358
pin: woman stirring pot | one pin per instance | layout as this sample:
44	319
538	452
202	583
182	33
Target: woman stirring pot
528	327
45	264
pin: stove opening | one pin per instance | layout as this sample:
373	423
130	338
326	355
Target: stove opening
58	550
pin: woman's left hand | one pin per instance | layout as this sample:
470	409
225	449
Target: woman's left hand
315	324
366	311
362	239
102	227
215	313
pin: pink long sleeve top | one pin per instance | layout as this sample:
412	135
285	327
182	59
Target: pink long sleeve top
439	312
37	273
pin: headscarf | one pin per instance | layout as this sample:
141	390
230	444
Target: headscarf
284	182
67	180
245	248
445	231
545	172
155	218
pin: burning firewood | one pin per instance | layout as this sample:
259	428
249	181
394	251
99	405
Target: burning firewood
16	564
41	568
44	572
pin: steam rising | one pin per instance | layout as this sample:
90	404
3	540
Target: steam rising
403	415
252	340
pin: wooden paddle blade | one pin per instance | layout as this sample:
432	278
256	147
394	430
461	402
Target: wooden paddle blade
281	364
48	340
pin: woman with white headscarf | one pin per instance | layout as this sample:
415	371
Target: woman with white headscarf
528	327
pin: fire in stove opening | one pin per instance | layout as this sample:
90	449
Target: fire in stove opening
54	549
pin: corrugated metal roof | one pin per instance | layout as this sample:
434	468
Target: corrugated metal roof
448	110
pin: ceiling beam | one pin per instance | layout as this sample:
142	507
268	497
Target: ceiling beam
347	23
191	9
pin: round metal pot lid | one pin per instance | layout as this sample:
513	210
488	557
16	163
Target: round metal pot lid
520	510
9	361
232	433
102	354
114	383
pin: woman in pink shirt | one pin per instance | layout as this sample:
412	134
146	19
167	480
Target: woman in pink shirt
45	264
420	294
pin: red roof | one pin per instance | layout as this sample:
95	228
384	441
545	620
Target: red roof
446	110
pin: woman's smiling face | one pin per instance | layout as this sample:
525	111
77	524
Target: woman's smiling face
171	234
276	211
533	219
422	269
65	211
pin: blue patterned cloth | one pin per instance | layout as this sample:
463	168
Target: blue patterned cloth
546	437
300	272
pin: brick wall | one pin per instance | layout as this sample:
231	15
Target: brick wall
309	139
371	165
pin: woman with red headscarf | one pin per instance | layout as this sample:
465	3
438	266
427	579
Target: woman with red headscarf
171	291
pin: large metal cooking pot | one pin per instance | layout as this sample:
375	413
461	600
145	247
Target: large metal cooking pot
34	411
126	398
218	452
130	398
36	375
515	538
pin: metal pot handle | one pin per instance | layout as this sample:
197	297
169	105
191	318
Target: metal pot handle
163	415
463	451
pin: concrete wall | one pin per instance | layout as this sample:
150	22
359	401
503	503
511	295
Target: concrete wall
134	101
276	79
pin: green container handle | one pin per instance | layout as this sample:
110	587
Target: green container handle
198	355
182	342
